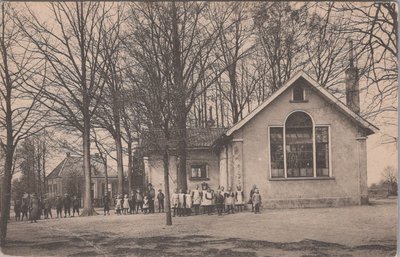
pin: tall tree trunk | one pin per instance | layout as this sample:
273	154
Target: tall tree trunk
6	192
181	97
106	174
130	165
120	168
166	187
44	166
87	203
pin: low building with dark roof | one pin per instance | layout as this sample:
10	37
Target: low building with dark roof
68	177
202	161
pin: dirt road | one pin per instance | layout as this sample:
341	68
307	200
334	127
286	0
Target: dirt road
347	231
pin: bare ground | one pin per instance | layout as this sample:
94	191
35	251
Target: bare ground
347	231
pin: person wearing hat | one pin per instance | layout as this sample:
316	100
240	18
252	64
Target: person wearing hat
126	204
139	200
47	208
106	203
67	205
59	206
75	206
160	199
34	208
132	202
151	195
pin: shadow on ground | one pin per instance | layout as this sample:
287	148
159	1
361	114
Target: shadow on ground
190	246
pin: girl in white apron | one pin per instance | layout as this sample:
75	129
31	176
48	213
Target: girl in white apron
229	200
175	201
196	194
188	202
239	195
181	204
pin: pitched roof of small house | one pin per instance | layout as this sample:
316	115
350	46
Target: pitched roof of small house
370	128
73	166
196	138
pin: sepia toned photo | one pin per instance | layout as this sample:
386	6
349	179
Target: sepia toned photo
198	128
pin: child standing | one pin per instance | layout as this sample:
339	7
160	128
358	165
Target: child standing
75	206
219	202
160	199
196	196
126	204
256	199
229	200
118	205
239	196
139	201
145	204
175	202
208	198
181	204
189	202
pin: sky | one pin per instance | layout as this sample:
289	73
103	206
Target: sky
379	155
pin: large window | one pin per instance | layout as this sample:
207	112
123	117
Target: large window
199	171
296	152
322	151
299	145
277	159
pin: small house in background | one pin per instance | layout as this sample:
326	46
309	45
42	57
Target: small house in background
68	177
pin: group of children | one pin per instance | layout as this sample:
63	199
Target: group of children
184	203
221	200
138	200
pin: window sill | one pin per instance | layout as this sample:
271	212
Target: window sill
302	178
298	101
199	179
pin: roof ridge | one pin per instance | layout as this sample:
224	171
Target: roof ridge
317	86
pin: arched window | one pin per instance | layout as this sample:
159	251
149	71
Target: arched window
299	148
299	145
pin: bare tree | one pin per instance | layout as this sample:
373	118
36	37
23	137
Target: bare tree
389	176
150	75
108	115
235	45
374	30
280	28
72	47
20	94
326	46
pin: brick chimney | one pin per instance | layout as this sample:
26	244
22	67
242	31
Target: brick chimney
352	84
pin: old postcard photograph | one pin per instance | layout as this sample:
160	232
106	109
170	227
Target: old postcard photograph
198	128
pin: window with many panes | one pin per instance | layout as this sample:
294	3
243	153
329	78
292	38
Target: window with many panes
199	171
299	148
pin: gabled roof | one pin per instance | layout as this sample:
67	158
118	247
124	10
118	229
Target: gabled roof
371	129
73	166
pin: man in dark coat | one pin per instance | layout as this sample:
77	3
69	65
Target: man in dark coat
67	205
132	202
106	203
151	195
59	206
160	198
75	206
17	210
